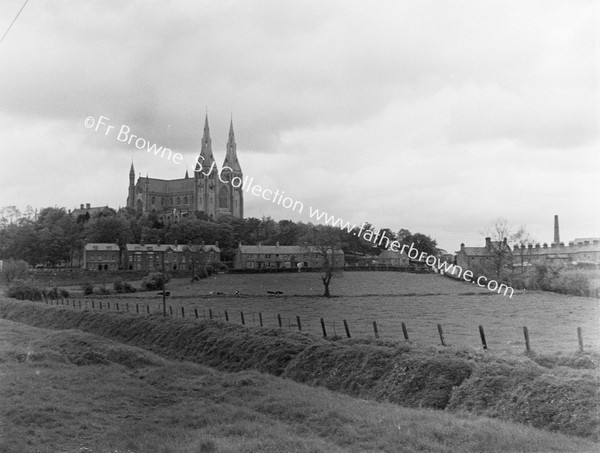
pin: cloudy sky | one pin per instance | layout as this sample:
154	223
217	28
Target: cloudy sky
438	117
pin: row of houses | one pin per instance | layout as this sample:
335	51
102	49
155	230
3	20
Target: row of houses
581	251
148	257
284	257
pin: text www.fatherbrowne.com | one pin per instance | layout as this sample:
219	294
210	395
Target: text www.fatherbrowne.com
379	237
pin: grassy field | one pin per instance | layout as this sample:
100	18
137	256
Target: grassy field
421	301
74	392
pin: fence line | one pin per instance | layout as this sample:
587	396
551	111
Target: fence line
93	306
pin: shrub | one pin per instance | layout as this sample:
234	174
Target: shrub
217	265
128	288
154	281
24	290
102	290
14	270
202	272
118	285
56	293
209	269
87	288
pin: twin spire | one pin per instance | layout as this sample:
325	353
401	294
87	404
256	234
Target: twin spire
207	158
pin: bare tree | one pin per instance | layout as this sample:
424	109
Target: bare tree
325	243
502	236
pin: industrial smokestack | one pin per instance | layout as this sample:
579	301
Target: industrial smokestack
556	231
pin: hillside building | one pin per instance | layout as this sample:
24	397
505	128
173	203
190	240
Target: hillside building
209	190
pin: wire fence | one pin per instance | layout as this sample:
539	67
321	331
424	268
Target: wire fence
341	328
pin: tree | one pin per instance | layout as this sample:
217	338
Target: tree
421	242
325	242
501	237
14	269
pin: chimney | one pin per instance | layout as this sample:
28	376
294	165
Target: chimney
81	206
87	206
462	247
488	243
556	230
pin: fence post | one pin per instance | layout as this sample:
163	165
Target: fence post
226	316
323	328
580	339
196	312
170	310
347	329
279	320
93	305
441	332
375	330
482	335
404	331
210	313
108	305
100	305
127	307
117	306
182	312
148	309
260	318
137	308
80	304
242	314
299	323
527	344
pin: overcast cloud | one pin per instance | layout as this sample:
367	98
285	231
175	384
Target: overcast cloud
438	117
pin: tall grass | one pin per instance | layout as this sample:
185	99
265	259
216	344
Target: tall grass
512	389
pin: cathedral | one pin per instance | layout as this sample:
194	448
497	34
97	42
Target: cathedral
209	190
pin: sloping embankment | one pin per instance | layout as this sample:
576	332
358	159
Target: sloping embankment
558	399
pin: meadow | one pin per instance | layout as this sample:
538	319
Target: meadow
421	301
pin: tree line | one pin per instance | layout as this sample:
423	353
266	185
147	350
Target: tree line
53	236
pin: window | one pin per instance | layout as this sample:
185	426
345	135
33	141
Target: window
185	200
178	201
153	200
163	202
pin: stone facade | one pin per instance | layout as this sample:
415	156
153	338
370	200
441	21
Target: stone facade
209	190
101	256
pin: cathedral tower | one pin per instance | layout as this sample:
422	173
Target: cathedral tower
230	194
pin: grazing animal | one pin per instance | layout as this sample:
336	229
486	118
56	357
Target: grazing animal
275	292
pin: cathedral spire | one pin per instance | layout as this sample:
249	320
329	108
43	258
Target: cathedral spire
186	174
231	159
206	159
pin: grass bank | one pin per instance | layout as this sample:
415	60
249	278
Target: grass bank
560	396
76	392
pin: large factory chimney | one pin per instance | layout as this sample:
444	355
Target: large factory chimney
556	231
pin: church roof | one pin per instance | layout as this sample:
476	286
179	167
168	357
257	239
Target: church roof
166	186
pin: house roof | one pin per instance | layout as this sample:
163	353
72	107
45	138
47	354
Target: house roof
171	247
392	254
91	211
102	246
281	249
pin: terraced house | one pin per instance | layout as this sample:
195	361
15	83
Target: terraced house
101	257
148	257
282	256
